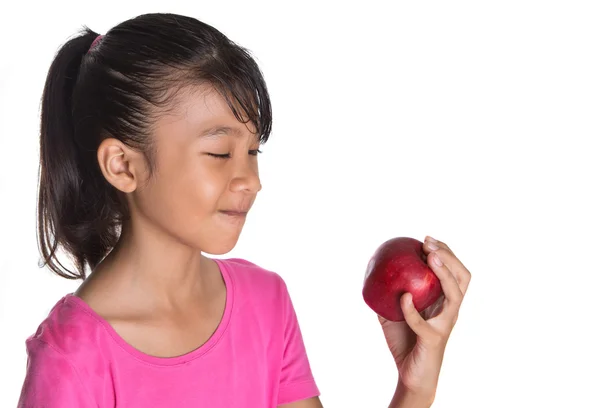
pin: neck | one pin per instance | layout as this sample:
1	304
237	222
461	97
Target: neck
154	267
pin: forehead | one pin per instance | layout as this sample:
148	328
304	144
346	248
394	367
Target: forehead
204	109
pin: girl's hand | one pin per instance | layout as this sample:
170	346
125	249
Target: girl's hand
418	343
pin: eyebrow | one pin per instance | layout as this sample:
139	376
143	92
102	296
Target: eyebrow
216	131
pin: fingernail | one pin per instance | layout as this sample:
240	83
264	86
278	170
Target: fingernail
432	246
431	239
409	299
436	260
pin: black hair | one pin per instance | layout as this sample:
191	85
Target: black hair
116	89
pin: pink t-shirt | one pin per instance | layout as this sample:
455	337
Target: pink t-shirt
256	357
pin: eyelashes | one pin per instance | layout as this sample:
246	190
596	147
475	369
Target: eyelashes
228	155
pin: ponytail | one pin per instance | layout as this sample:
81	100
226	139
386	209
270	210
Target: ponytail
62	216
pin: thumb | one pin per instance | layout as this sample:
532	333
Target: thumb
413	318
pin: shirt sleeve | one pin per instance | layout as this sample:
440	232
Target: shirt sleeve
51	381
296	381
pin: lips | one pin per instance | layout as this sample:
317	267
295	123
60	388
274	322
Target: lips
235	213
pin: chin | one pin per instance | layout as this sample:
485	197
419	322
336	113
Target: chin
221	252
218	247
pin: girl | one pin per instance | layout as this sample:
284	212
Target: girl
149	144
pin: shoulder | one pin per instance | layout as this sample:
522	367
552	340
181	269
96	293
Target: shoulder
247	271
68	330
251	277
63	360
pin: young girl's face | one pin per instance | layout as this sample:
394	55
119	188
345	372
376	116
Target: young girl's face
191	188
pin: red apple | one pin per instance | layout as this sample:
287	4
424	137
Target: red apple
398	266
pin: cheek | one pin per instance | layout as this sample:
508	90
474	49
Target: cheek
203	190
193	192
182	196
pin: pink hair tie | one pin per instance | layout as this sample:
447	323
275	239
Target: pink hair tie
95	42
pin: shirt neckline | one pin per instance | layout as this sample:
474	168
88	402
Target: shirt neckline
169	361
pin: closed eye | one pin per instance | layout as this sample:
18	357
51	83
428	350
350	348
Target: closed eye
228	155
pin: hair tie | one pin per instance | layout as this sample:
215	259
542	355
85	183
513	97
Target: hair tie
95	42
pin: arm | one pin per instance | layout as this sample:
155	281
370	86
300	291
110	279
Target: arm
403	398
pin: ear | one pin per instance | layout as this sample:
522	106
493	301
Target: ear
119	164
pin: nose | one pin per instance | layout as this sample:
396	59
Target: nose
247	179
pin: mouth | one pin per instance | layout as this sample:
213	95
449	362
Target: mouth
235	213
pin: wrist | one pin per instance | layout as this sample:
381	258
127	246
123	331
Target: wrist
405	398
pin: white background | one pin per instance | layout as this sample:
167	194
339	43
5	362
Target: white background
474	122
